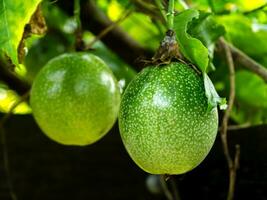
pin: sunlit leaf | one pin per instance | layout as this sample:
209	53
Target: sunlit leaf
121	70
14	15
8	98
254	93
41	51
207	30
140	27
192	48
245	34
227	6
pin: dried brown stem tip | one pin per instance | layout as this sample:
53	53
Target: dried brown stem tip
168	49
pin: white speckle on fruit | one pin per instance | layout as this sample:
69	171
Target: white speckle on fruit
55	79
86	58
57	76
81	87
160	100
122	84
107	80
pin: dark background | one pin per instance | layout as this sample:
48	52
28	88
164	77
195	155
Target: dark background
42	169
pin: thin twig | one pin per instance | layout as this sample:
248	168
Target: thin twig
108	29
174	188
79	43
247	62
5	146
172	194
232	174
165	188
6	164
232	165
161	9
23	98
237	127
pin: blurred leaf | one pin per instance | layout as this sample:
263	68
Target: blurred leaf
207	30
138	25
121	70
254	94
41	51
14	15
8	98
245	34
228	6
191	48
247	5
249	115
142	29
114	10
106	4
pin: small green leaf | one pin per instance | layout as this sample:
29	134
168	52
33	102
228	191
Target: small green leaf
204	31
208	31
14	15
213	98
192	48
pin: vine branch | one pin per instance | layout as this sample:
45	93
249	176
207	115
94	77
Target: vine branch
108	29
232	164
247	62
93	19
170	14
165	188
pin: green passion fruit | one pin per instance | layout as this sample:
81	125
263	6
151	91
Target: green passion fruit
75	99
163	119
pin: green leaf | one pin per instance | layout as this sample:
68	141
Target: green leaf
14	15
192	48
251	106
204	31
255	92
207	30
246	34
213	98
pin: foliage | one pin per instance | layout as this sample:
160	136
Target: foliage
197	34
14	15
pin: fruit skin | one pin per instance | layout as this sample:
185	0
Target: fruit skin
163	119
75	99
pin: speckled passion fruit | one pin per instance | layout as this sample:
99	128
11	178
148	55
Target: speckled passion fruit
75	99
164	122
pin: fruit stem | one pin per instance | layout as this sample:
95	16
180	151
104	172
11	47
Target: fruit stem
79	44
77	11
170	14
161	9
